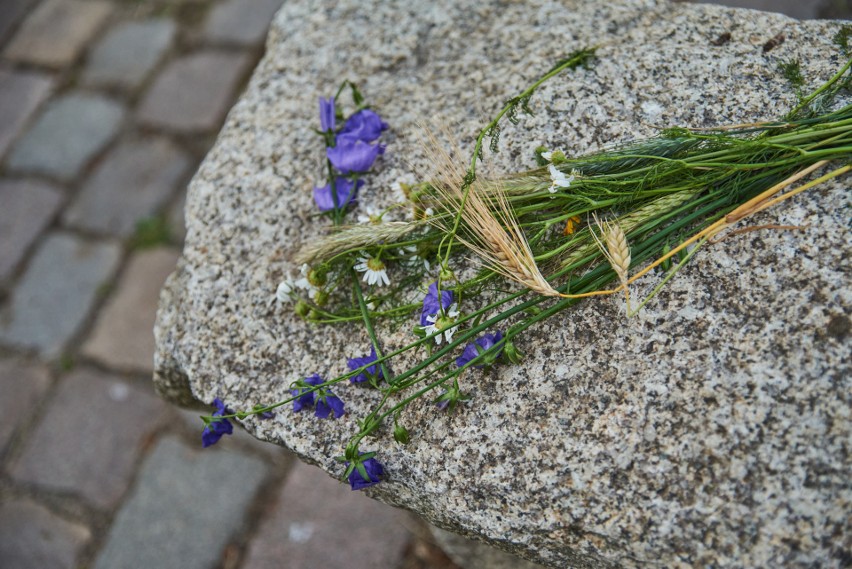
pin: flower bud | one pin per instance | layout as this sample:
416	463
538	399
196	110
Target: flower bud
401	435
446	274
512	353
318	276
321	297
302	309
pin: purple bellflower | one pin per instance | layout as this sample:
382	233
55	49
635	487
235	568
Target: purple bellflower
367	473
217	429
323	399
327	118
478	346
365	125
346	190
374	371
353	155
432	305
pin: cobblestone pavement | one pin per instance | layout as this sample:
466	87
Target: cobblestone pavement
106	109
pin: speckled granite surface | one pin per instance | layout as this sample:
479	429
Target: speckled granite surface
711	430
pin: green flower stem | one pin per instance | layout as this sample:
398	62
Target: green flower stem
807	100
574	60
368	324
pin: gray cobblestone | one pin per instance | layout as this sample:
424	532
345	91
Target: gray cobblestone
71	131
21	93
319	522
187	505
131	183
31	537
56	293
13	11
128	53
57	31
195	92
242	22
27	208
22	385
89	437
124	335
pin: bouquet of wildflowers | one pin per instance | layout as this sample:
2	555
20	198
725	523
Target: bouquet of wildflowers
541	241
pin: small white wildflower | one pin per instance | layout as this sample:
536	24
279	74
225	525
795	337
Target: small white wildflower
398	192
415	259
371	215
443	323
375	271
559	179
303	283
547	155
285	288
429	212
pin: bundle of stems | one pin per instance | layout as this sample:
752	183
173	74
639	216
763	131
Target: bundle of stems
627	210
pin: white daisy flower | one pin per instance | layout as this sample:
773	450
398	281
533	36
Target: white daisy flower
559	179
443	323
401	188
303	283
553	155
415	259
284	290
398	192
371	215
375	271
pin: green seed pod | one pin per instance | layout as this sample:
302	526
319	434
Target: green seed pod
446	274
318	276
401	435
321	297
302	309
512	353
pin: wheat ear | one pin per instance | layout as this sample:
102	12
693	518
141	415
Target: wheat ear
491	231
616	250
353	238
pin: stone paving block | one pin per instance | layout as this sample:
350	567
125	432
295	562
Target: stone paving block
31	537
124	334
194	92
22	385
187	505
21	93
13	11
128	53
132	182
57	31
27	208
56	293
319	522
241	22
71	131
89	437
